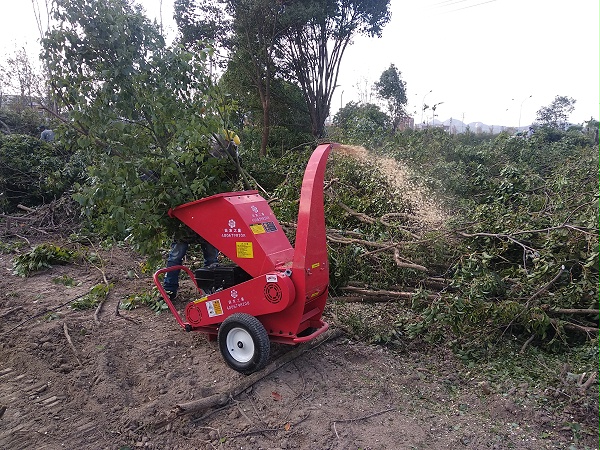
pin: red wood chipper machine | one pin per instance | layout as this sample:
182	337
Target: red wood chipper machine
273	291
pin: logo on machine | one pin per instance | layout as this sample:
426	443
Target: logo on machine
258	215
232	231
236	302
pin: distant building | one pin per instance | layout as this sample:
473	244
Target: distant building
405	123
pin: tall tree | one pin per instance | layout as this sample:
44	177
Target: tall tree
392	89
557	113
317	33
204	21
256	29
249	30
141	114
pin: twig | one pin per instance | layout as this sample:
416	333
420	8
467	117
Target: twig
102	270
99	308
360	216
525	247
368	416
66	330
527	342
25	208
9	311
539	292
17	218
545	287
24	238
43	313
589	381
382	249
342	240
580	328
269	430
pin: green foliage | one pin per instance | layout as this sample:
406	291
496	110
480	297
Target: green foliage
391	88
152	299
11	247
330	25
41	257
19	120
528	225
356	186
65	280
288	116
142	119
91	300
557	113
31	180
363	124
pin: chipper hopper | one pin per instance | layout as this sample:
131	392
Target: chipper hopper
273	291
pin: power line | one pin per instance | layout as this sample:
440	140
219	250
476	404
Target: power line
442	3
448	3
471	6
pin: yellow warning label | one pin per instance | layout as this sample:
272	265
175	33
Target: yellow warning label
315	265
214	308
244	250
258	228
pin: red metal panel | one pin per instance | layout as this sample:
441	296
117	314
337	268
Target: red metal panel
242	226
310	268
264	295
310	253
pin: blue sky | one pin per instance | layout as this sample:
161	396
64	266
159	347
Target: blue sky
490	61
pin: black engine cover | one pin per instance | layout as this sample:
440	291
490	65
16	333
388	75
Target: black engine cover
220	277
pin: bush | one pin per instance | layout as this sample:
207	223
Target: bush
528	222
41	257
32	172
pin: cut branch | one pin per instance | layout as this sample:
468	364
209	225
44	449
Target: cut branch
377	295
401	262
221	399
550	310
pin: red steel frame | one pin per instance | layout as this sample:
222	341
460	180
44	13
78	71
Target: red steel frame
289	286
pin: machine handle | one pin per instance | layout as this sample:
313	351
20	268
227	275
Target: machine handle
165	296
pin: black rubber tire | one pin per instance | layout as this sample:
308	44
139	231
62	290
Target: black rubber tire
244	343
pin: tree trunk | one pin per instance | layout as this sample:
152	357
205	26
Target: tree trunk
266	104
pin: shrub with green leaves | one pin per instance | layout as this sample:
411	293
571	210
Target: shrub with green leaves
142	116
152	299
526	229
31	171
91	300
41	257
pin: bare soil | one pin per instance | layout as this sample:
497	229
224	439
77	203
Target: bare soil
101	380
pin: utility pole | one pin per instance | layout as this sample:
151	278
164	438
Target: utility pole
423	105
521	109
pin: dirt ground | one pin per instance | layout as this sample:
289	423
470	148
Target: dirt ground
95	379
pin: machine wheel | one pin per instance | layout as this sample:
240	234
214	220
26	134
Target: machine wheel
244	343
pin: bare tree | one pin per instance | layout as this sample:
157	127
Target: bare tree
316	37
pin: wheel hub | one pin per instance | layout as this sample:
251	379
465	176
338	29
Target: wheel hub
240	344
